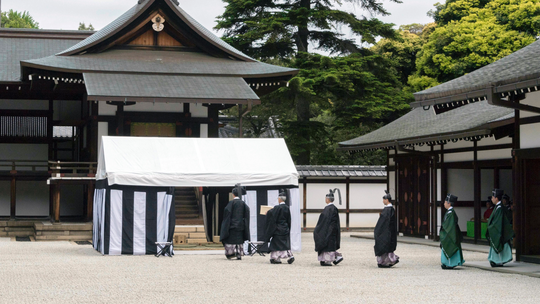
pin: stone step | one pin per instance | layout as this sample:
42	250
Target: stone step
197	241
197	235
186	216
63	238
16	233
63	226
14	229
184	229
187	208
17	223
67	232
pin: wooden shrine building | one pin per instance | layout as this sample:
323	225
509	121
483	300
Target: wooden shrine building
466	137
154	71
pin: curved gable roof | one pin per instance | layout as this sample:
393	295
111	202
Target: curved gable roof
128	17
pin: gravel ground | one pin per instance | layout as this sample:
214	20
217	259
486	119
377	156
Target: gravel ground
61	272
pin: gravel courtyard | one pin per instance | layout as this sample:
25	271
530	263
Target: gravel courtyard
62	272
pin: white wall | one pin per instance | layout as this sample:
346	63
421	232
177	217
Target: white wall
361	196
461	183
529	136
32	198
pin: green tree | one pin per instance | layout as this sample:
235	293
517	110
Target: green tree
83	27
473	33
283	29
14	19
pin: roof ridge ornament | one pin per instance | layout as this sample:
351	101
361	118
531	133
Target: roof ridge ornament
158	21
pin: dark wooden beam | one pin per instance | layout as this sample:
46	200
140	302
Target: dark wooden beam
90	202
56	203
477	198
305	202
13	208
347	202
517	186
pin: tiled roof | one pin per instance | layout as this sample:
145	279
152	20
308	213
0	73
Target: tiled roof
14	47
522	65
141	6
135	87
341	171
419	125
158	62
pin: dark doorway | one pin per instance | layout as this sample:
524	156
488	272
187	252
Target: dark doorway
531	206
413	195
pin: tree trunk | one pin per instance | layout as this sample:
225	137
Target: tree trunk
303	116
303	31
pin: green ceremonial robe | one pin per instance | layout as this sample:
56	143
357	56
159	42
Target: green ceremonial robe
451	237
500	234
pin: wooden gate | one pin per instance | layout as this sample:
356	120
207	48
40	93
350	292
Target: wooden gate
413	196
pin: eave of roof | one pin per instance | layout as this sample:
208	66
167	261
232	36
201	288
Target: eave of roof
471	121
44	34
157	62
341	171
515	72
160	88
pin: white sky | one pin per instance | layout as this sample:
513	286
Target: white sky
66	14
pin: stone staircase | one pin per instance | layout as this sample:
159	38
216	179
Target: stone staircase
195	234
187	207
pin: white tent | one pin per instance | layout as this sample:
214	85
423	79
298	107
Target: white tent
133	198
195	162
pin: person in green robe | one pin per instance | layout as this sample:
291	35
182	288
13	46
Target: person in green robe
499	232
451	253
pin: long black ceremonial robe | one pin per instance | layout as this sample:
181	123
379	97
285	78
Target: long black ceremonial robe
500	234
451	238
235	225
278	228
327	234
386	232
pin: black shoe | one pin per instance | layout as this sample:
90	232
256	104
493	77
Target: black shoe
383	266
338	260
291	260
239	257
230	256
272	261
325	264
495	265
446	267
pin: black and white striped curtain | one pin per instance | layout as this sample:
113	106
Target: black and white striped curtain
130	220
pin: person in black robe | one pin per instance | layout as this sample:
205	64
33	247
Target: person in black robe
386	235
235	225
278	231
327	234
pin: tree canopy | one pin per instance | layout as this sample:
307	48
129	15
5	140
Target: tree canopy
471	34
83	27
14	19
281	28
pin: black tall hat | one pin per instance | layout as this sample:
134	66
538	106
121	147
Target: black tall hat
452	199
498	193
239	190
331	192
282	192
387	196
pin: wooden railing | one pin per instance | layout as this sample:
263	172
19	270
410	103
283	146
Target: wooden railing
72	169
23	165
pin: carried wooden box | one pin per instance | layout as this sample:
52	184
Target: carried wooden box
265	208
179	239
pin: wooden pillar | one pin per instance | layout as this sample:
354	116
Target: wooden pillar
347	202
213	126
13	209
433	195
240	122
93	131
396	187
305	202
477	198
517	187
120	119
444	181
56	203
50	130
90	202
